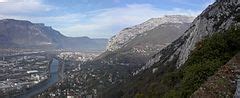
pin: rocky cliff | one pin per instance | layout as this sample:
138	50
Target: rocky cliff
164	74
126	35
137	51
24	34
14	33
217	17
119	65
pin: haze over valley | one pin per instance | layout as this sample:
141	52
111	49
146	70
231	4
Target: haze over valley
119	49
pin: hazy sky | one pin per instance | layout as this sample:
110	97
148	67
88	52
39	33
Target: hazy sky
96	18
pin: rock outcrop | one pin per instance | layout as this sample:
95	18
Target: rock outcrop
218	17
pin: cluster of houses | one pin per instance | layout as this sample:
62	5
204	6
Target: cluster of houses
19	73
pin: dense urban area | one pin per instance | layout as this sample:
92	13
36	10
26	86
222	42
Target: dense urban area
20	72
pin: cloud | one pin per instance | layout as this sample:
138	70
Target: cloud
107	22
3	1
99	23
15	7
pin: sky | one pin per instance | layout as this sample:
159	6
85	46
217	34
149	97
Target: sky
96	18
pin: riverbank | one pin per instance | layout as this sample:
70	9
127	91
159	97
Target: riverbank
41	87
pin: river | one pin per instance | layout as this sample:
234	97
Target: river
54	78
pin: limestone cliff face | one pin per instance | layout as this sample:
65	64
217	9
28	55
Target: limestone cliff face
219	16
21	33
25	34
126	35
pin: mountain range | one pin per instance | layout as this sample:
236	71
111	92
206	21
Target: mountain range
121	61
168	57
128	34
135	50
24	34
176	68
180	69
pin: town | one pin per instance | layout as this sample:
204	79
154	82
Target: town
19	73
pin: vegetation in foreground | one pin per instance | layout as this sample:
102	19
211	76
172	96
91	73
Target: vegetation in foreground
205	60
210	54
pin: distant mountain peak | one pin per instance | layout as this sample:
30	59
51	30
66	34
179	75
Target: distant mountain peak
25	34
14	21
129	33
218	17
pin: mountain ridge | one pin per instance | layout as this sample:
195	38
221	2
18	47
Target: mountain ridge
216	19
205	24
25	34
145	44
127	34
121	64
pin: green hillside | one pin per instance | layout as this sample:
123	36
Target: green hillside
169	82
